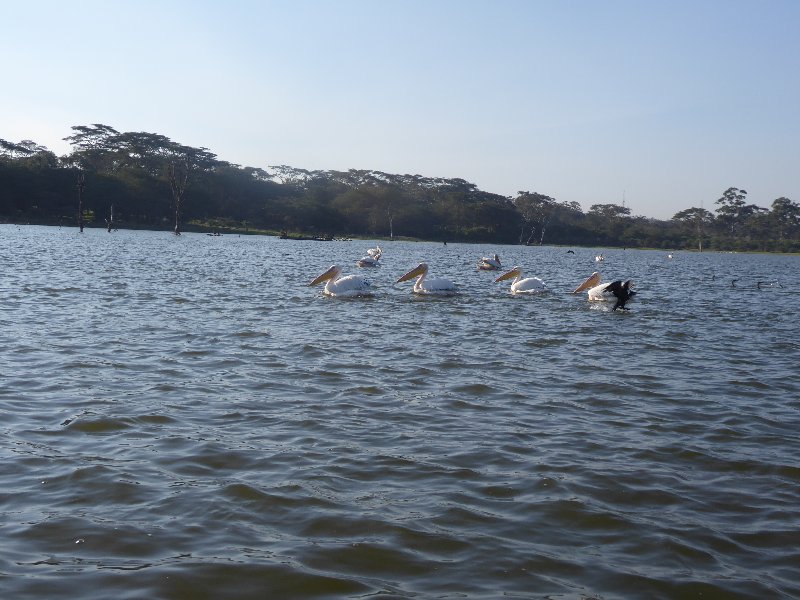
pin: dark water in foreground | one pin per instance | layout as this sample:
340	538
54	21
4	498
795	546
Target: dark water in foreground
184	418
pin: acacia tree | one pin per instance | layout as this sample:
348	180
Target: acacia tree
609	211
754	222
609	220
695	218
7	148
29	154
785	215
183	161
23	148
730	210
535	210
147	156
93	146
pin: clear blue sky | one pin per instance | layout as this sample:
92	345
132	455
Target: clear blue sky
667	103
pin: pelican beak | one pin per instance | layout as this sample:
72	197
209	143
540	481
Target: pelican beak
415	272
329	274
591	281
508	275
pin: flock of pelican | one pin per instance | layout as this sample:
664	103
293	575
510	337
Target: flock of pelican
348	286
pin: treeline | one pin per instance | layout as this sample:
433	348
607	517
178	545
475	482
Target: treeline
147	180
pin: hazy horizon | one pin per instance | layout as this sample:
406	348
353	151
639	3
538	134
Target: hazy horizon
664	106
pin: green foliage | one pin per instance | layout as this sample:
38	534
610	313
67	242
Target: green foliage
131	171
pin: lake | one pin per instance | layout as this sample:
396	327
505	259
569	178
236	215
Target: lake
184	418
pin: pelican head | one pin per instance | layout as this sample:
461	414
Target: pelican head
332	273
515	272
420	269
591	281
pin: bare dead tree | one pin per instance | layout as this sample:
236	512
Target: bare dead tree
110	219
177	182
81	185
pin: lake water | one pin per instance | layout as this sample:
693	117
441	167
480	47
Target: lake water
183	417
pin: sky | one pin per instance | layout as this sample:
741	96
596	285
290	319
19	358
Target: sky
662	105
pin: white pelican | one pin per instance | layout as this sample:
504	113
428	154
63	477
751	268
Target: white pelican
368	261
489	264
529	285
347	287
424	285
371	259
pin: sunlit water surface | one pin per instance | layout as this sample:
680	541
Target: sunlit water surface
183	417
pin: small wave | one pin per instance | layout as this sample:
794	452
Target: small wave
475	389
99	425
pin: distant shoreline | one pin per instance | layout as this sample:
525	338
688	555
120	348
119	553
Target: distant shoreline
222	231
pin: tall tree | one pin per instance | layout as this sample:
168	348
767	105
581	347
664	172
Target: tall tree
609	211
183	161
535	211
10	149
93	147
608	222
696	219
730	208
178	178
81	185
785	214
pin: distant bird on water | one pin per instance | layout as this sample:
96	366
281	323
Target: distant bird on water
489	264
762	284
371	259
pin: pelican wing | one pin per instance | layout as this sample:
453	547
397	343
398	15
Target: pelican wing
349	286
621	292
598	293
367	261
615	291
529	285
435	285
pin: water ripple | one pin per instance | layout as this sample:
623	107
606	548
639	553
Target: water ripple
196	422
